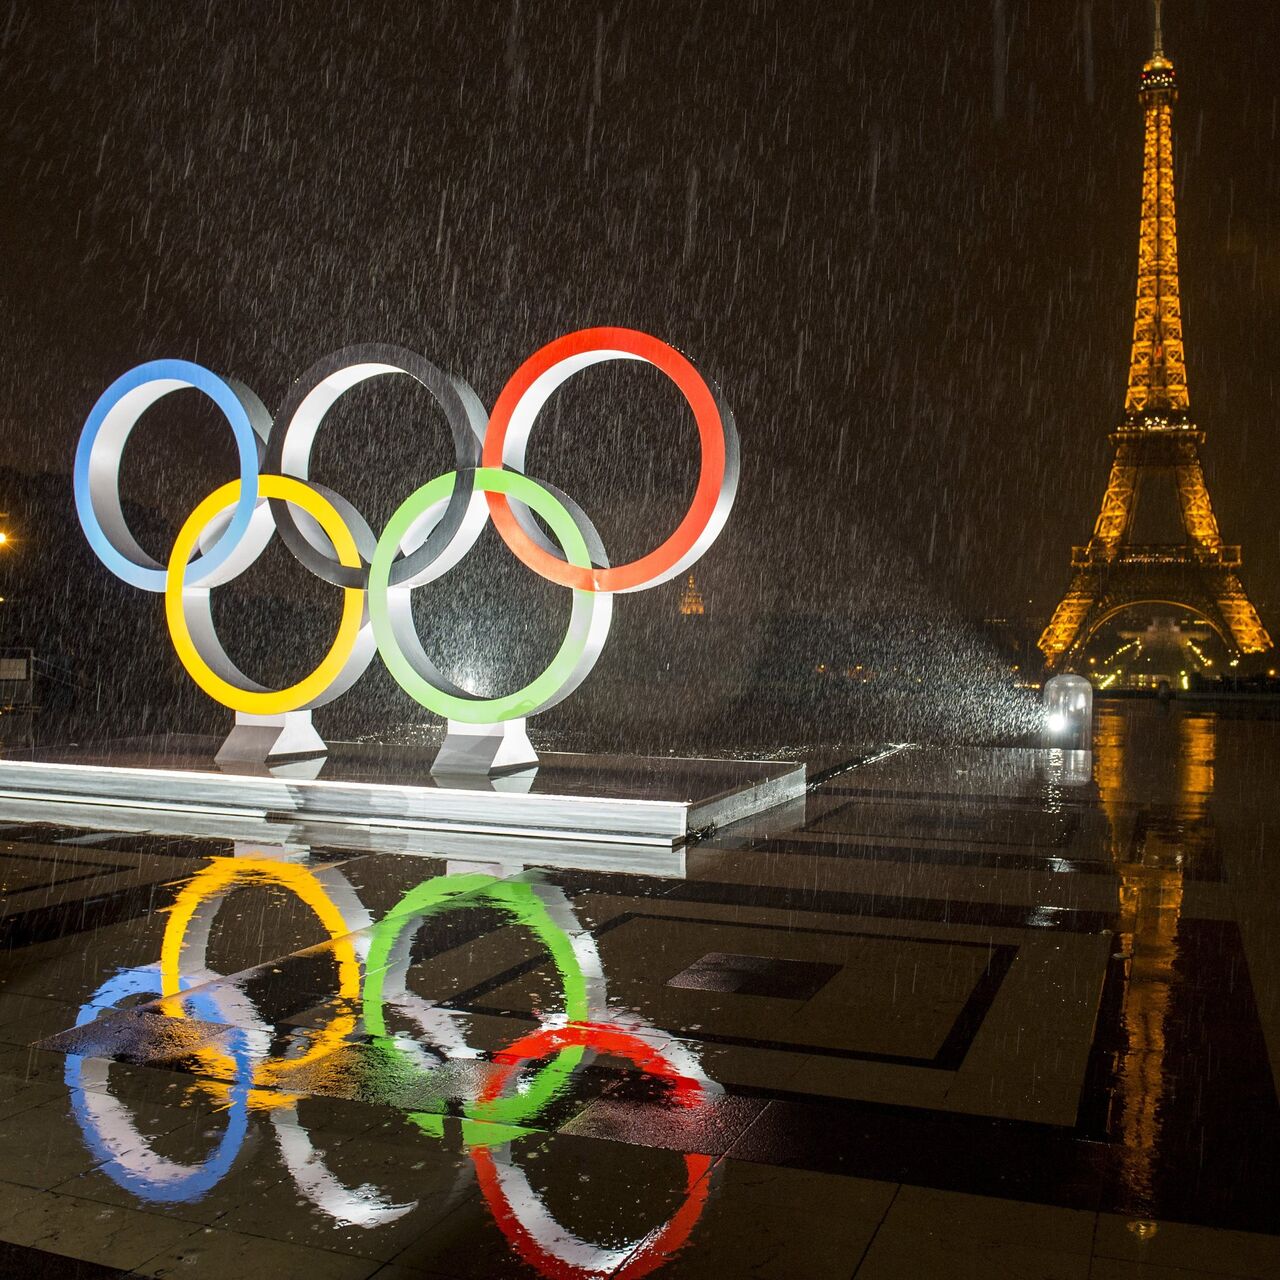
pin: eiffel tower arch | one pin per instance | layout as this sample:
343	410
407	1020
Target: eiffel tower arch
1157	440
1155	578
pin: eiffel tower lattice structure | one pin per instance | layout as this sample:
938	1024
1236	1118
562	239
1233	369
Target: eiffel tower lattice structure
1158	437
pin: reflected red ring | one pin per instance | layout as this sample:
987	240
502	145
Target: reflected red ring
669	556
657	1247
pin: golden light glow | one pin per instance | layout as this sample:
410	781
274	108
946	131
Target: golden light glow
1067	621
1149	852
691	603
1111	572
1117	502
1157	367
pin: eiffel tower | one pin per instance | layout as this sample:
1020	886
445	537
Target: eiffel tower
1157	438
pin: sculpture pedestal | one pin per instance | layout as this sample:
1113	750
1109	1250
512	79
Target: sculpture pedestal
256	739
610	801
484	750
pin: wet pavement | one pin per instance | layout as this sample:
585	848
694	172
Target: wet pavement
976	1013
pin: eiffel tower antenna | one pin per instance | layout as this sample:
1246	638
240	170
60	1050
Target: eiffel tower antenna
1157	438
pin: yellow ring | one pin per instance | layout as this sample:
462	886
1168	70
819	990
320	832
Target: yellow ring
226	874
260	702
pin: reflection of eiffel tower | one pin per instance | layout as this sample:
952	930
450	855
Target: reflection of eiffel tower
1160	825
1114	572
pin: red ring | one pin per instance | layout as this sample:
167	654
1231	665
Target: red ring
635	574
541	1044
588	1035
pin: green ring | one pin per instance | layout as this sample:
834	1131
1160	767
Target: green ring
520	902
539	691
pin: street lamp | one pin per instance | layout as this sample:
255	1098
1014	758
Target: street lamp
1068	712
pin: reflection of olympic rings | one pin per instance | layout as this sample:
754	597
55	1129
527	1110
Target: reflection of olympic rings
186	937
520	1212
541	909
106	1124
428	535
128	1159
362	1206
242	1073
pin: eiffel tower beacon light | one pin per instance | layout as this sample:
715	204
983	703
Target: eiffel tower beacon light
1157	437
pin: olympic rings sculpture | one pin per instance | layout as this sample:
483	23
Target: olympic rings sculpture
430	532
240	1069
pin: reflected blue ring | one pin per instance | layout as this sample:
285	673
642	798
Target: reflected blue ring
91	491
145	981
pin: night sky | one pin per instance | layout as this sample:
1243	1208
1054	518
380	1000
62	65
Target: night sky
900	234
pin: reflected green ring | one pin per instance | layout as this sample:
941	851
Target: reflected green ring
570	663
519	901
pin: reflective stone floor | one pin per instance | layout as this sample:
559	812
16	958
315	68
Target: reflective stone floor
976	1014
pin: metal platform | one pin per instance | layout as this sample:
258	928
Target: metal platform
658	802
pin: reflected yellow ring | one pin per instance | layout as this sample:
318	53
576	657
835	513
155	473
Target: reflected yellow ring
250	701
228	873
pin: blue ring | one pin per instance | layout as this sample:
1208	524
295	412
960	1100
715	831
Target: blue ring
237	415
145	981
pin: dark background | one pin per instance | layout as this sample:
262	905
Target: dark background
900	234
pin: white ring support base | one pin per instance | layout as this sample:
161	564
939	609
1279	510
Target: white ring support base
256	739
481	749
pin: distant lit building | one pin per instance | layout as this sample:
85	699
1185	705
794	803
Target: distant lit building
691	602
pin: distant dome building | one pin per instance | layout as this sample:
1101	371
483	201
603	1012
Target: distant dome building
691	602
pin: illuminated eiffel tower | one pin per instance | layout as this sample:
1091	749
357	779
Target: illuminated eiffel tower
1157	438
